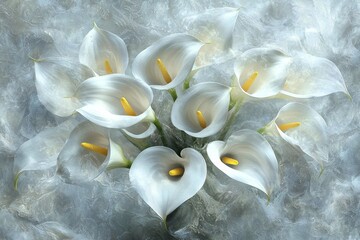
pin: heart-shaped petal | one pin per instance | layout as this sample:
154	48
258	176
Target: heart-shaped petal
150	175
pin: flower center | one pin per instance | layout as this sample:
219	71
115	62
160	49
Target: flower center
163	70
127	107
286	126
176	172
107	65
201	119
230	161
249	82
94	148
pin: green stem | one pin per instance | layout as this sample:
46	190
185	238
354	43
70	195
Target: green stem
173	94
165	224
187	83
161	131
268	199
188	79
16	180
261	130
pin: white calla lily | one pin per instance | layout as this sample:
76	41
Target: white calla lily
115	101
88	152
40	152
203	109
103	52
167	62
215	27
246	157
311	76
261	72
56	82
164	180
303	128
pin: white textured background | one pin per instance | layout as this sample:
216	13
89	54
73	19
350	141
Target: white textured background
304	206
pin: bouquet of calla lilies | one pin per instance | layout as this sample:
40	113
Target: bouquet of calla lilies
168	161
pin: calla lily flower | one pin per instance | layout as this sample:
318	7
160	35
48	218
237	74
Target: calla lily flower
214	27
40	152
164	180
167	62
261	72
246	157
303	128
115	101
311	76
103	52
203	109
56	82
89	150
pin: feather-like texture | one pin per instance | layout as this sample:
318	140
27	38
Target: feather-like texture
304	206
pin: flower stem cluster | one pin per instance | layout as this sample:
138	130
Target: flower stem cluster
120	120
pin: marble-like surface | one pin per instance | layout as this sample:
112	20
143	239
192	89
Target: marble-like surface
304	205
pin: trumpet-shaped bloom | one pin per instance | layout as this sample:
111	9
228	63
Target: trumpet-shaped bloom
103	52
203	109
303	128
167	62
214	27
261	72
164	180
89	150
56	82
311	76
246	157
115	101
40	152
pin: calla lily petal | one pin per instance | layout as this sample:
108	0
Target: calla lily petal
140	130
311	76
103	52
211	99
101	100
56	82
177	52
150	175
215	27
78	164
261	72
40	152
257	165
309	135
